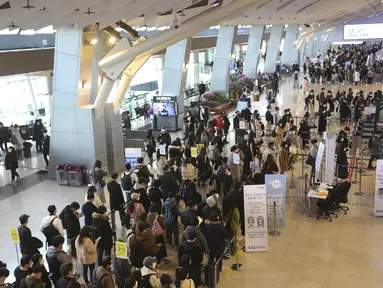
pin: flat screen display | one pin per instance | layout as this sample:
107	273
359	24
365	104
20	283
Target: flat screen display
241	105
165	109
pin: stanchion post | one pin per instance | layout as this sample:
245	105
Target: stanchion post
356	173
213	278
292	179
17	253
306	177
275	232
236	266
360	193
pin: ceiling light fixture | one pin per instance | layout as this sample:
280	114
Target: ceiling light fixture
112	40
93	42
28	6
43	8
13	25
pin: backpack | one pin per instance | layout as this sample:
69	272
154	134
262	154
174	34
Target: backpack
221	171
204	137
62	217
126	182
50	232
150	142
370	143
156	228
145	282
169	215
96	283
137	254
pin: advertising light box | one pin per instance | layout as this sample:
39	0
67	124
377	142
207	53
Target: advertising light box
363	31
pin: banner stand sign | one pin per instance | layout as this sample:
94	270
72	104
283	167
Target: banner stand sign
131	155
378	207
318	162
276	191
330	158
255	218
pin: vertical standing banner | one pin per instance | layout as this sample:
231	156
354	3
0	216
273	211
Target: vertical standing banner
14	235
330	158
276	191
378	207
255	217
121	250
318	162
131	155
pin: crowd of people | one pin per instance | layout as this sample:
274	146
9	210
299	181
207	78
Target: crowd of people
21	148
346	64
165	211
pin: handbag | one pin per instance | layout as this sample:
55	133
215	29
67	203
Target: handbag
156	228
102	183
310	160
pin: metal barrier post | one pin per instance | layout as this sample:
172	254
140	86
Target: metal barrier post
356	173
113	221
213	277
236	266
292	179
360	193
275	232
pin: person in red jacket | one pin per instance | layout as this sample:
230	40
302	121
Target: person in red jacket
219	125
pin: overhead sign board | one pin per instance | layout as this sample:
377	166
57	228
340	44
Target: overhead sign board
363	31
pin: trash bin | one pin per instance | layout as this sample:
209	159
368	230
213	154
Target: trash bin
27	149
75	176
62	174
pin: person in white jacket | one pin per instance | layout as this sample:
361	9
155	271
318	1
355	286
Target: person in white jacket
150	277
49	219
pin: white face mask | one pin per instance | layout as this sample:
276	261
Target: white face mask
154	265
163	130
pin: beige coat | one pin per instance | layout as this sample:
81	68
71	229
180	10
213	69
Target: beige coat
86	252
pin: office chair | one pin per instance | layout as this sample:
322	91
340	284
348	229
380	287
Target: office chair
343	189
324	206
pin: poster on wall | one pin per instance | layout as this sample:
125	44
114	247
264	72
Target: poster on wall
276	192
378	207
131	155
318	162
255	218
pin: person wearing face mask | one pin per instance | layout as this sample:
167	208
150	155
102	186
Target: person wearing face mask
4	137
211	205
269	119
4	273
306	86
38	260
311	159
46	145
150	276
17	141
342	163
56	256
234	167
164	137
323	116
70	219
54	223
103	274
68	279
11	163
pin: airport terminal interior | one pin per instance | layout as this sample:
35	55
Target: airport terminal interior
253	126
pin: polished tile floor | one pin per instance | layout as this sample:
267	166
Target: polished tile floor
309	253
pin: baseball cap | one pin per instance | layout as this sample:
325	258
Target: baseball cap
148	261
23	218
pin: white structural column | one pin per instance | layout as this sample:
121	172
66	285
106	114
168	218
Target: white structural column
290	54
77	137
310	48
193	70
252	54
221	68
95	67
175	72
159	60
33	98
48	102
273	49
